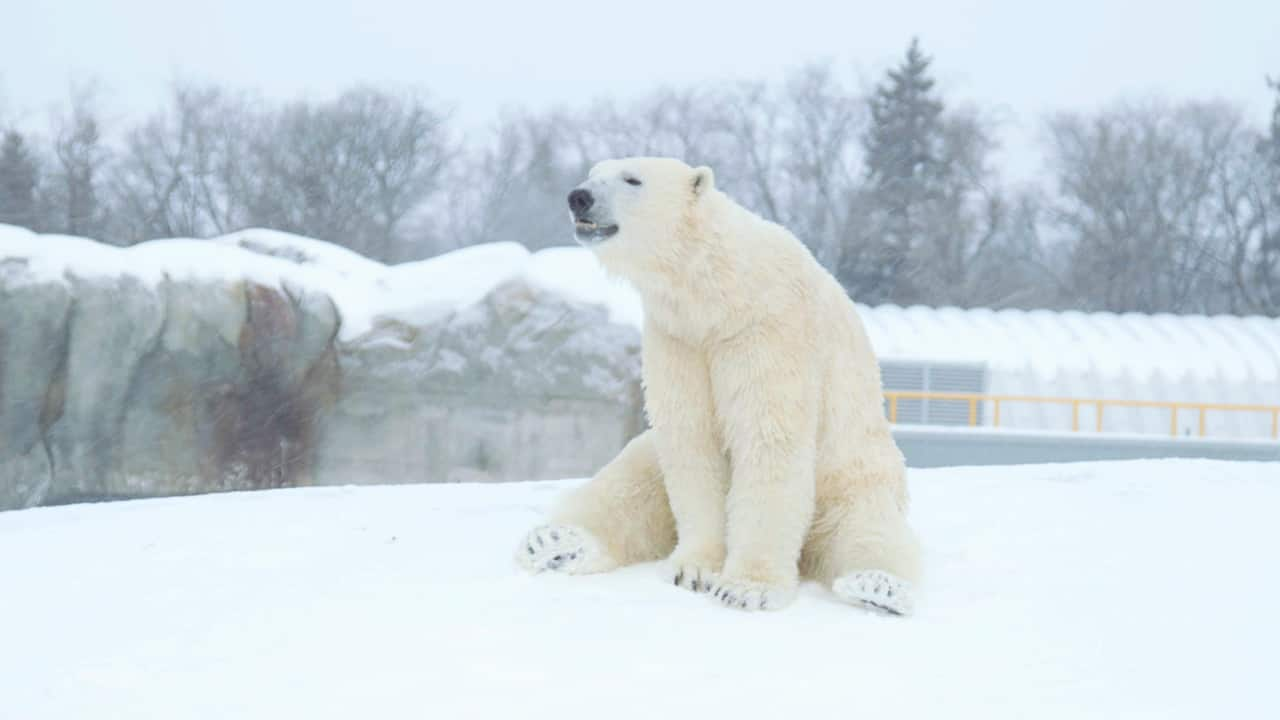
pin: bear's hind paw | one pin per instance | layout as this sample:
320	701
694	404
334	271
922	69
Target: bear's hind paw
562	548
875	590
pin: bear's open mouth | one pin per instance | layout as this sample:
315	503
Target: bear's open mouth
593	231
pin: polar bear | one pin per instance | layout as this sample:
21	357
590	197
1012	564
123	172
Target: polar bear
768	457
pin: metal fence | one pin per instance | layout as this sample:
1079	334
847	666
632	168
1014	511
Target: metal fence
976	402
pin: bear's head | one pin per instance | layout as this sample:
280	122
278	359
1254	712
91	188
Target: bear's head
635	209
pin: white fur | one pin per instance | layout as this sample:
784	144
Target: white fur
769	455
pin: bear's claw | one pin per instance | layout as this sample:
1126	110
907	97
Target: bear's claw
875	590
690	577
561	548
747	595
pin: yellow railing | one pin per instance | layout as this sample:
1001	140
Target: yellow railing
893	396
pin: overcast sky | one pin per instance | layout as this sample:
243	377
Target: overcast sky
1019	56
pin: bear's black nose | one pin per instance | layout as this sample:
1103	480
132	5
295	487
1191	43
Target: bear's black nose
580	201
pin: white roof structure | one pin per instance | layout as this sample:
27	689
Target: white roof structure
1183	358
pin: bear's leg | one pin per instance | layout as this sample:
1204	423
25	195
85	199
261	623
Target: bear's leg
863	549
619	517
768	401
770	507
678	395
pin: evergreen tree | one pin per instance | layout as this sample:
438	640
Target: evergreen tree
18	178
904	149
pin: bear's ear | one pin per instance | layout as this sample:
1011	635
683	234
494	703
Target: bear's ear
703	180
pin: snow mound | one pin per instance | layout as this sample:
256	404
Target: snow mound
421	291
576	274
1067	591
305	251
364	291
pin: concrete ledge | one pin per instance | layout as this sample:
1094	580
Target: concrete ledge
934	446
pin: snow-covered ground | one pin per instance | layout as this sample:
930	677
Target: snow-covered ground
1109	590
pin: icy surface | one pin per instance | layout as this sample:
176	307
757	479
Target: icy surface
1141	589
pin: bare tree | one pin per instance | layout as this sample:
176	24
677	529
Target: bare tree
820	163
73	198
351	170
1249	193
400	144
1138	204
752	117
513	187
184	171
671	122
790	152
954	263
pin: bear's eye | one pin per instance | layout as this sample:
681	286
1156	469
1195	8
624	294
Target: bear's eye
632	181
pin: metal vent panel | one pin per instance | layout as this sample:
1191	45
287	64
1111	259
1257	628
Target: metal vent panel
935	377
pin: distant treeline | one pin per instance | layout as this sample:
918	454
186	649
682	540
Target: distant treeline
1142	206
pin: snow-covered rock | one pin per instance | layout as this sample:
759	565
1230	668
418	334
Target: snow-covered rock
1101	590
263	359
172	371
521	384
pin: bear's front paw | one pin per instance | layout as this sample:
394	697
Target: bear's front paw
693	570
562	548
689	576
753	595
